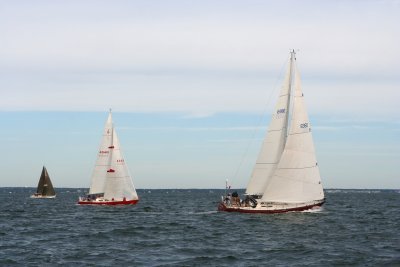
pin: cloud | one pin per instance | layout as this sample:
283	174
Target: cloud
199	115
328	128
233	36
194	129
200	59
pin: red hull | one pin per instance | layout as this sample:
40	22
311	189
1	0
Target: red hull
222	207
109	203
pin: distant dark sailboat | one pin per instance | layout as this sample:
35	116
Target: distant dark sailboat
45	187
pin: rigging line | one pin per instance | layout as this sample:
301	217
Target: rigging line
260	119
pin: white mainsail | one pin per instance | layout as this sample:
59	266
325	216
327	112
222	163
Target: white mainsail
274	140
119	183
100	170
296	178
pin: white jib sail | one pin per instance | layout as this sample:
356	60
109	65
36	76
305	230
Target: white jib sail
274	140
100	169
119	183
296	178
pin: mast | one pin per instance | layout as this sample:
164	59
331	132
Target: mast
111	153
290	108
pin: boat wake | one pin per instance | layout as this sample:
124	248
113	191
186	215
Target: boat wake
314	210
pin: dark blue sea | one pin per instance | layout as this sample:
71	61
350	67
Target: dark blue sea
183	228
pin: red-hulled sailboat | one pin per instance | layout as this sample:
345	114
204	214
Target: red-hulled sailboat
286	175
111	182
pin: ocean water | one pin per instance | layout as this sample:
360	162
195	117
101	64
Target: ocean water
183	228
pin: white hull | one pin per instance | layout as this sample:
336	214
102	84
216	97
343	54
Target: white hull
33	196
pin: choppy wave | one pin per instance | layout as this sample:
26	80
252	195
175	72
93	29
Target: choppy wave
183	228
314	210
355	191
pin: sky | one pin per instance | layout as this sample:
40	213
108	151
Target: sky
192	85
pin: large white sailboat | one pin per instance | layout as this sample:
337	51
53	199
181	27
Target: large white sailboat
286	175
111	182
